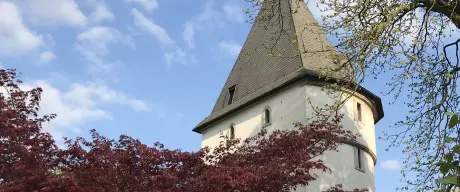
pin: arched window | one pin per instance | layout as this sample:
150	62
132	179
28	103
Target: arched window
266	117
232	132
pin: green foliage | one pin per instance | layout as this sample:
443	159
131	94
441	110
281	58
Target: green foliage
413	41
449	179
416	43
449	166
453	121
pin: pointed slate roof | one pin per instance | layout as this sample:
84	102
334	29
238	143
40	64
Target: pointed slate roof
278	51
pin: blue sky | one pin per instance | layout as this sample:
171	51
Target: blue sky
151	69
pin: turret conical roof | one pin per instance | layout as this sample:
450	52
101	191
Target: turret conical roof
284	44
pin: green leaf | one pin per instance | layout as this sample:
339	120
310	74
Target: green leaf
449	179
444	168
449	157
453	121
457	149
450	113
449	139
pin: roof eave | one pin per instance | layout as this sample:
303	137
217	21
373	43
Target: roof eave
301	75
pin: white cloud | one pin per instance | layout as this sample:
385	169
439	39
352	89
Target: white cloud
101	11
174	53
142	22
138	105
233	13
83	102
93	45
391	165
207	19
70	115
189	33
53	12
178	55
15	37
86	95
230	48
47	56
148	5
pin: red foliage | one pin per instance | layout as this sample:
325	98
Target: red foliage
30	161
25	152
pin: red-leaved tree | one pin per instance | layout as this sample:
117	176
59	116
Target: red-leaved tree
30	161
26	153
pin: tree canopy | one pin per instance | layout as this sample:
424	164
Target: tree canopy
412	41
30	161
412	46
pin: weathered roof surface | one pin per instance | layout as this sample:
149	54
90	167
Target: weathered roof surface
254	68
276	53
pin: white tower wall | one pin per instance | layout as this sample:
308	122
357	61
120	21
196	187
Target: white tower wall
289	105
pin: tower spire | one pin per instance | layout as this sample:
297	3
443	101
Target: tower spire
284	44
315	49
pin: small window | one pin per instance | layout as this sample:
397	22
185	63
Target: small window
358	153
232	132
231	93
359	116
266	117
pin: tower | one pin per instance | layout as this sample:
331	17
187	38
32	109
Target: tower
269	91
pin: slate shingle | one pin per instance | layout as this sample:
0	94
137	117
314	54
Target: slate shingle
270	60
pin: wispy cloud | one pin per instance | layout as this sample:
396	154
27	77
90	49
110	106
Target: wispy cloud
234	12
47	56
230	48
178	55
391	165
142	22
148	5
81	103
53	13
100	12
85	94
15	37
207	19
93	45
174	53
